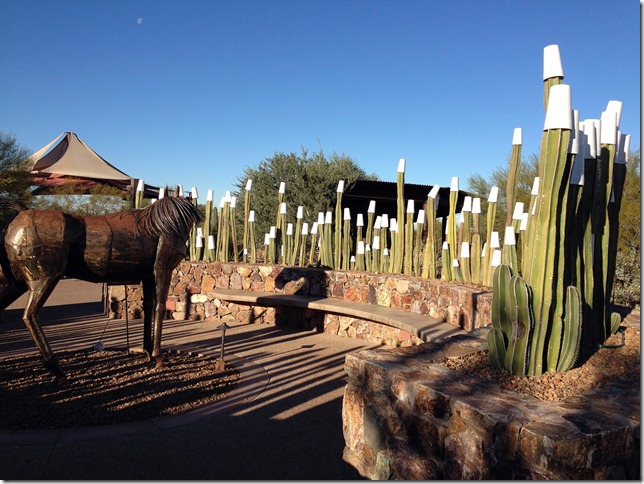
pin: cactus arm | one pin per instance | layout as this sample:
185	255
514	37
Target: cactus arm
497	349
429	257
475	259
572	331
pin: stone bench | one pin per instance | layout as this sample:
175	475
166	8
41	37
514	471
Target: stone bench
423	327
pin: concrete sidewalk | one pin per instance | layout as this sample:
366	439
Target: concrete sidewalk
283	422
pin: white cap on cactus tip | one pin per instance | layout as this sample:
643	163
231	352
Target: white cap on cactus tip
251	216
517	137
360	247
495	243
211	242
320	218
372	207
289	229
340	186
199	242
384	220
401	165
421	217
282	188
524	221
410	206
193	193
359	220
222	202
328	218
385	251
347	214
509	238
300	212
249	184
227	196
393	225
625	146
455	263
367	248
615	106
559	110
576	134
233	202
494	195
454	185
434	191
445	245
314	228
267	239
376	242
352	259
590	130
378	222
496	258
161	193
272	231
467	204
140	185
465	250
180	187
518	211
209	196
305	228
476	205
283	208
608	134
552	66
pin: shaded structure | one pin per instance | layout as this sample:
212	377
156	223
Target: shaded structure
67	160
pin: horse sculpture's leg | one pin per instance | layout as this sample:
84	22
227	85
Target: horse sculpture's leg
162	286
39	291
149	295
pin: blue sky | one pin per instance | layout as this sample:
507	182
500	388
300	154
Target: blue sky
193	92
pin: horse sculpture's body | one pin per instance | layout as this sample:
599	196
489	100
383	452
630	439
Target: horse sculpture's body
42	246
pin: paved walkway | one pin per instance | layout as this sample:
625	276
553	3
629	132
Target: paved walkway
283	422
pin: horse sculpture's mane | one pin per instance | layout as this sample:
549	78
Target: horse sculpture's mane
170	216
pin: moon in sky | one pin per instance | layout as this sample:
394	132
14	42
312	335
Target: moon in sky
139	20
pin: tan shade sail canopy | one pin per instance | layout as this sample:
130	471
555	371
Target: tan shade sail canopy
72	157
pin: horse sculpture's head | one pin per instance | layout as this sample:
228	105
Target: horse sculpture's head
170	216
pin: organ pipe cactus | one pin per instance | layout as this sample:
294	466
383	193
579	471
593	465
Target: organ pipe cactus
490	218
398	255
408	257
251	237
233	228
346	239
337	246
245	244
418	236
314	243
429	257
513	173
452	238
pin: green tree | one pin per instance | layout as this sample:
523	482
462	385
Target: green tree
311	181
15	177
626	290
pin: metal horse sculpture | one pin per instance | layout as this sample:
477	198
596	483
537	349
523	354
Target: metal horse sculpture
42	246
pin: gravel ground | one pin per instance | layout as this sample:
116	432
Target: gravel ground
106	387
608	364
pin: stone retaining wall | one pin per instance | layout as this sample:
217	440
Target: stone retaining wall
192	284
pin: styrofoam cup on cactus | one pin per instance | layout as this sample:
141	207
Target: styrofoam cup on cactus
591	128
233	202
401	165
222	202
434	191
267	239
465	250
384	220
209	196
615	106
559	111
517	136
524	222
245	251
289	229
445	245
552	66
393	225
251	216
283	208
352	259
227	196
340	186
282	188
476	205
346	214
300	212
367	248
360	247
140	185
624	149
249	184
410	206
272	231
320	218
305	228
211	242
455	263
454	185
199	242
385	251
496	258
509	238
377	224
421	217
495	242
372	207
483	249
467	204
193	193
535	186
180	188
608	134
161	193
314	228
376	242
359	220
494	195
328	218
573	147
518	211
